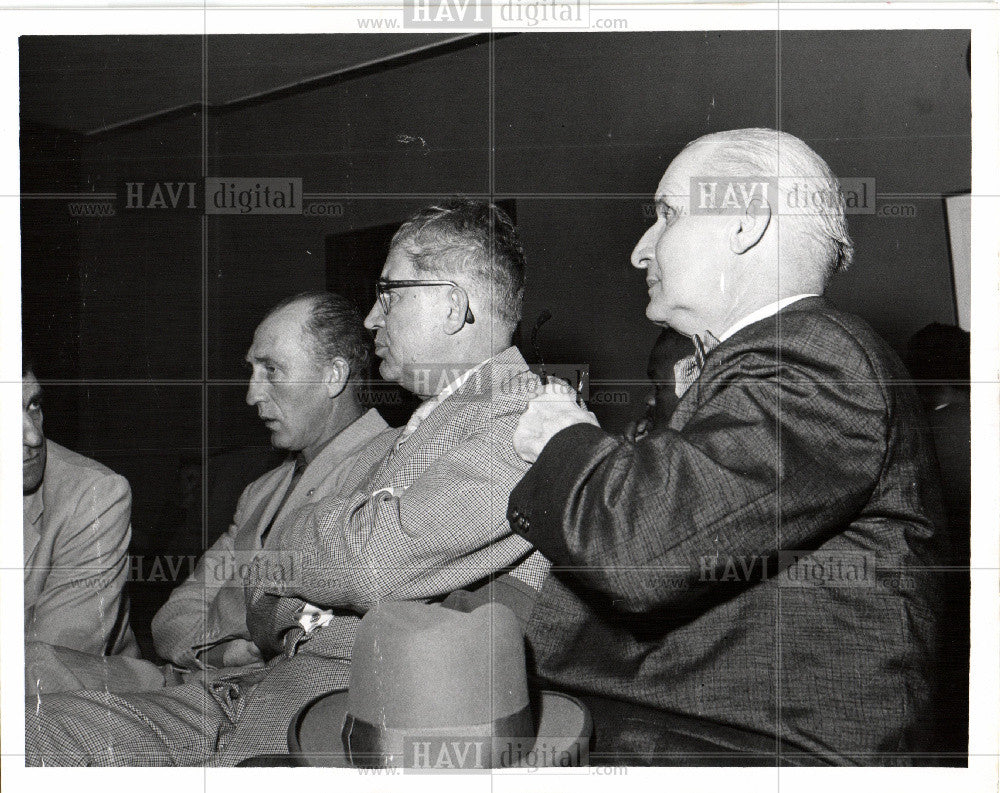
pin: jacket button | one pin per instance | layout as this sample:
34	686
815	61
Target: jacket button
513	515
311	492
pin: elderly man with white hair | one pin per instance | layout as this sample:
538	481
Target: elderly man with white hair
753	583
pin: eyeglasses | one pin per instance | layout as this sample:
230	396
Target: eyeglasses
385	285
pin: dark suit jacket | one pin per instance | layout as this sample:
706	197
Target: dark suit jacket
761	563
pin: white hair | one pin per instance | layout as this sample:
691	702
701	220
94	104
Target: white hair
783	158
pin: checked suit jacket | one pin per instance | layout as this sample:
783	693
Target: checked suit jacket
767	562
414	521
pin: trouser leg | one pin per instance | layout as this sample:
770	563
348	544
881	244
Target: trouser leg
178	726
219	721
260	722
51	669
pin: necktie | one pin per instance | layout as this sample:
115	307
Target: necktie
300	466
688	369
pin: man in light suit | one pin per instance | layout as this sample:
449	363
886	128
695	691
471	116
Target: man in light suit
320	420
76	536
754	582
309	359
420	514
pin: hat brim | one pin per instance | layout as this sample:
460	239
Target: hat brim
563	724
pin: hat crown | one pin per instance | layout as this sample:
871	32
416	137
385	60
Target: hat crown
424	667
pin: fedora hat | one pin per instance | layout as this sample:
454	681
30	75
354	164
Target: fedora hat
431	688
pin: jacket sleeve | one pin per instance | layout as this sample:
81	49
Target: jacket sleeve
445	531
82	601
779	455
194	615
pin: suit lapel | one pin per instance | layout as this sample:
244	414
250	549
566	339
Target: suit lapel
723	352
265	510
402	467
34	505
355	441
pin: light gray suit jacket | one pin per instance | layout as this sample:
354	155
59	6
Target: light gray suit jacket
209	607
76	536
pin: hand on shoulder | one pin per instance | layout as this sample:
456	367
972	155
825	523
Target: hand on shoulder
553	409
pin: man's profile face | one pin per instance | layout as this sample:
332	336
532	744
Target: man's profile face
682	254
32	437
287	384
408	339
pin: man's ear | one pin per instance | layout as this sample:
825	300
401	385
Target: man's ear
335	376
458	309
749	228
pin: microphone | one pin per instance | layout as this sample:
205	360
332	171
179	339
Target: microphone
544	317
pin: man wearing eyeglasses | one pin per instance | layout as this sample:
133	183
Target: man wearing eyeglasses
398	359
424	516
420	516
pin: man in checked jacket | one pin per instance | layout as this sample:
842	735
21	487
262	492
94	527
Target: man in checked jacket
755	583
420	515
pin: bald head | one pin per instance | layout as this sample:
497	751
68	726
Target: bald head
806	194
715	252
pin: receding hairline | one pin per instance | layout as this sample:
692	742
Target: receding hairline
305	334
447	268
777	155
689	150
293	302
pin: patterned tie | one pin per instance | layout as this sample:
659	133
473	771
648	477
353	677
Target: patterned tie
688	368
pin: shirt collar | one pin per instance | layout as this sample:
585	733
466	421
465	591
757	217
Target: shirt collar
763	313
361	430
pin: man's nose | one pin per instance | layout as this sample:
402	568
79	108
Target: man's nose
31	432
375	318
254	392
643	251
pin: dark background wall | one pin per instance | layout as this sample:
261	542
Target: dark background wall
145	317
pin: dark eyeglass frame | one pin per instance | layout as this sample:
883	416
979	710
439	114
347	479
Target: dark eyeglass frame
385	285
